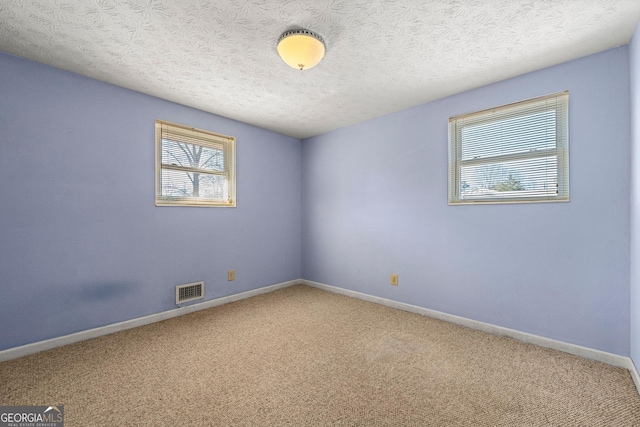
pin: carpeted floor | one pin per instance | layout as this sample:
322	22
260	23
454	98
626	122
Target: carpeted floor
301	356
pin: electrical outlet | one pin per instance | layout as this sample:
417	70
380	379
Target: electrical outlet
394	279
231	275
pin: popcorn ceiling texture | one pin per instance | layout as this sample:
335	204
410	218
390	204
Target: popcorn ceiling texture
382	56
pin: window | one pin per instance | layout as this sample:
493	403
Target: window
194	167
511	154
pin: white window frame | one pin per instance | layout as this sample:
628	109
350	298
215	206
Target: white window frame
203	138
557	103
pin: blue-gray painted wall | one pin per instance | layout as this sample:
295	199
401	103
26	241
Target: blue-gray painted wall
634	54
375	202
82	243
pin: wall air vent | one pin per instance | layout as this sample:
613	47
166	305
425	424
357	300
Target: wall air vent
189	292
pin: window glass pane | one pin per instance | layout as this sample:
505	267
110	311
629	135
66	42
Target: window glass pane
530	132
194	167
197	185
512	153
522	178
192	155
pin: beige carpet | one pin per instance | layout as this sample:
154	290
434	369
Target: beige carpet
305	357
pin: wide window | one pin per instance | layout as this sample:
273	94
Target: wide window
514	153
194	167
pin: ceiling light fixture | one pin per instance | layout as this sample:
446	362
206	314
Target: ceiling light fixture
301	49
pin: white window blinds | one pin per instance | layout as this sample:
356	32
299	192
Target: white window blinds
193	167
515	153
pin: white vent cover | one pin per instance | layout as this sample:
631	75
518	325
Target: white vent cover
189	292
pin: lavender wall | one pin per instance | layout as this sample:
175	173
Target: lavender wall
82	243
375	202
634	54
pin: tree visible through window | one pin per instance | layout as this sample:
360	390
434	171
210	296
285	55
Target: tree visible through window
193	167
514	153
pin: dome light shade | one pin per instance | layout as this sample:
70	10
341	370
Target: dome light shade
301	49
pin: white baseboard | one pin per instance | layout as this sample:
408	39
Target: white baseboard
634	373
586	352
13	353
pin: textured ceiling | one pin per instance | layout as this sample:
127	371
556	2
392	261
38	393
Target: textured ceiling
382	56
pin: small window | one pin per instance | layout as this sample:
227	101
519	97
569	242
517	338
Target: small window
511	154
194	167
